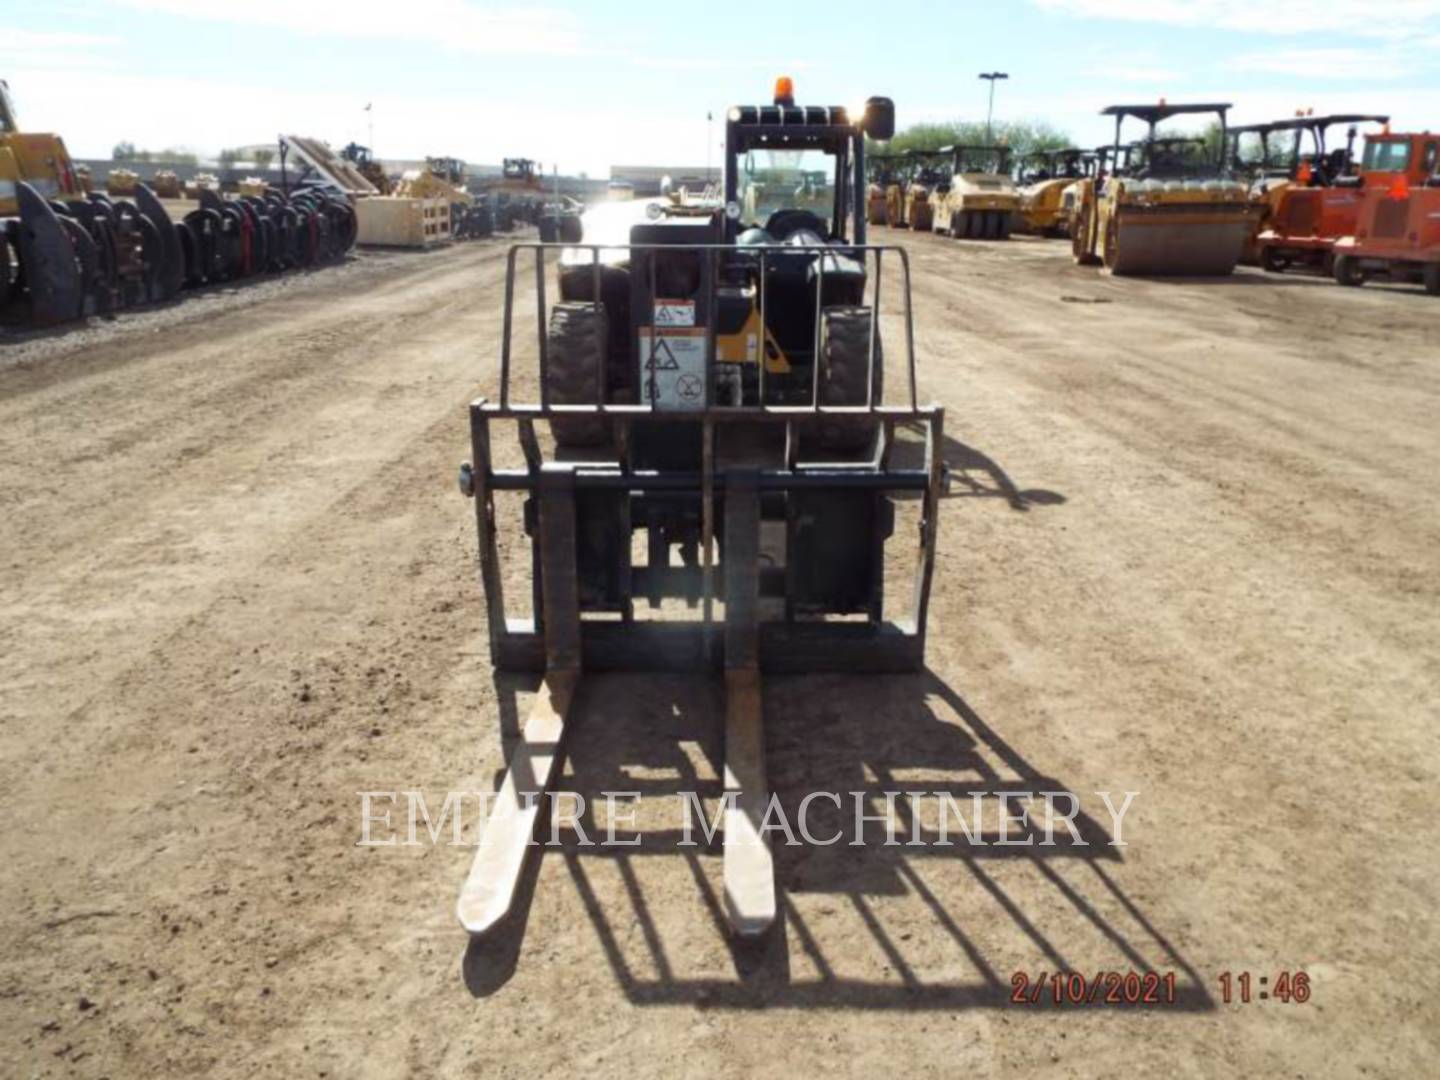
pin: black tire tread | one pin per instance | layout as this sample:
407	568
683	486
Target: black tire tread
575	356
843	360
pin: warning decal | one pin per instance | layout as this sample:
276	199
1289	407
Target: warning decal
672	369
670	313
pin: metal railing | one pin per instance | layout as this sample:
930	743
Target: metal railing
521	644
716	256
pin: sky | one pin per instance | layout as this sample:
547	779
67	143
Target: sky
583	84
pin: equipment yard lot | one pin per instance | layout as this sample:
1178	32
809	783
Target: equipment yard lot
1192	551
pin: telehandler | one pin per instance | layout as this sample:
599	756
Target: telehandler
711	377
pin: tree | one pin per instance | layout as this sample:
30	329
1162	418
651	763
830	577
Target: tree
1022	136
263	157
1210	148
229	157
124	151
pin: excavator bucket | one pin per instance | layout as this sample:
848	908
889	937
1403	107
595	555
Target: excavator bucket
48	261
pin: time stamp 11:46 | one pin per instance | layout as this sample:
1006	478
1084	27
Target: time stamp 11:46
1243	988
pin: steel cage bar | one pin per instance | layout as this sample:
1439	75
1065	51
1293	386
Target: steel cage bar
762	257
881	644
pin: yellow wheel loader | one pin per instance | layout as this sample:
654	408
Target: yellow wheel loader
1168	211
367	166
980	201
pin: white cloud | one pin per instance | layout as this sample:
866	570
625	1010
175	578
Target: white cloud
1346	64
36	48
458	25
1157	76
1370	18
18	40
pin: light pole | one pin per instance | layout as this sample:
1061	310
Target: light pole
991	77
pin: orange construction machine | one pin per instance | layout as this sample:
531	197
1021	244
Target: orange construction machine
1313	193
1397	229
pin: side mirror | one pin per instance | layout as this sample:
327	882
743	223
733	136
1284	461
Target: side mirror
879	120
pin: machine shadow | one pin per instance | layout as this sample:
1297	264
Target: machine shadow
1257	280
841	734
973	473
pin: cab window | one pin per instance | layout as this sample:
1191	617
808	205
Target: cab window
1387	156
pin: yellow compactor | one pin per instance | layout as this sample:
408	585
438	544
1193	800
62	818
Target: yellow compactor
1044	176
981	201
884	198
927	181
1165	212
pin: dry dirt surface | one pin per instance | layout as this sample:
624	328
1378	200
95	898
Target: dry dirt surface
1191	552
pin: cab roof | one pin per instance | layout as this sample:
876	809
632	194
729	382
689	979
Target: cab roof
1153	114
795	126
1300	123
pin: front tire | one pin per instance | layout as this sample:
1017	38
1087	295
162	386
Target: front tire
1272	262
575	348
1348	272
844	360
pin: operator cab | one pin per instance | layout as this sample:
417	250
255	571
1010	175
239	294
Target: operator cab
798	171
1388	157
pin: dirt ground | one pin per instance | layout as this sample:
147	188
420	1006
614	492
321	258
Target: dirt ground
1189	554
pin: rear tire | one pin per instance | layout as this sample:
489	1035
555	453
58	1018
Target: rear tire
844	360
1431	278
1080	248
1348	272
1272	262
1111	246
575	349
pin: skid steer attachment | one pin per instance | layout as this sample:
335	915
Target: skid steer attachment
53	255
712	377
